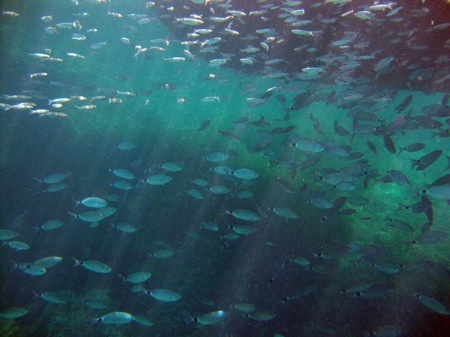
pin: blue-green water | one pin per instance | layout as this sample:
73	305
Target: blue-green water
341	226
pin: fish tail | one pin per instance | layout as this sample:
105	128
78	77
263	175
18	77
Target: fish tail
15	265
73	214
76	262
187	318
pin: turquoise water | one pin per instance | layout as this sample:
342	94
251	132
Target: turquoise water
338	224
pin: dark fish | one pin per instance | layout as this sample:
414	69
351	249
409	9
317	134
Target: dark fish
287	114
430	238
204	125
426	160
367	116
418	207
427	122
261	146
311	161
337	205
373	254
277	268
302	100
280	98
347	211
331	97
372	147
412	147
318	128
356	169
436	110
389	144
355	155
426	227
284	186
444	101
444	180
228	134
242	120
403	105
276	130
266	95
367	179
357	200
400	224
260	122
398	177
396	125
294	172
339	130
288	129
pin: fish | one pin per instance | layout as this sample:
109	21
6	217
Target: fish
228	135
404	104
51	225
125	227
92	202
400	224
196	194
216	157
243	229
219	189
244	307
52	297
210	318
158	179
13	313
53	178
245	174
434	305
308	145
425	161
46	262
210	99
301	261
7	234
93	265
261	315
432	237
163	254
171	167
115	318
414	147
284	212
18	245
164	295
126	146
389	144
189	21
122	185
398	177
438	192
138	277
204	125
244	214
